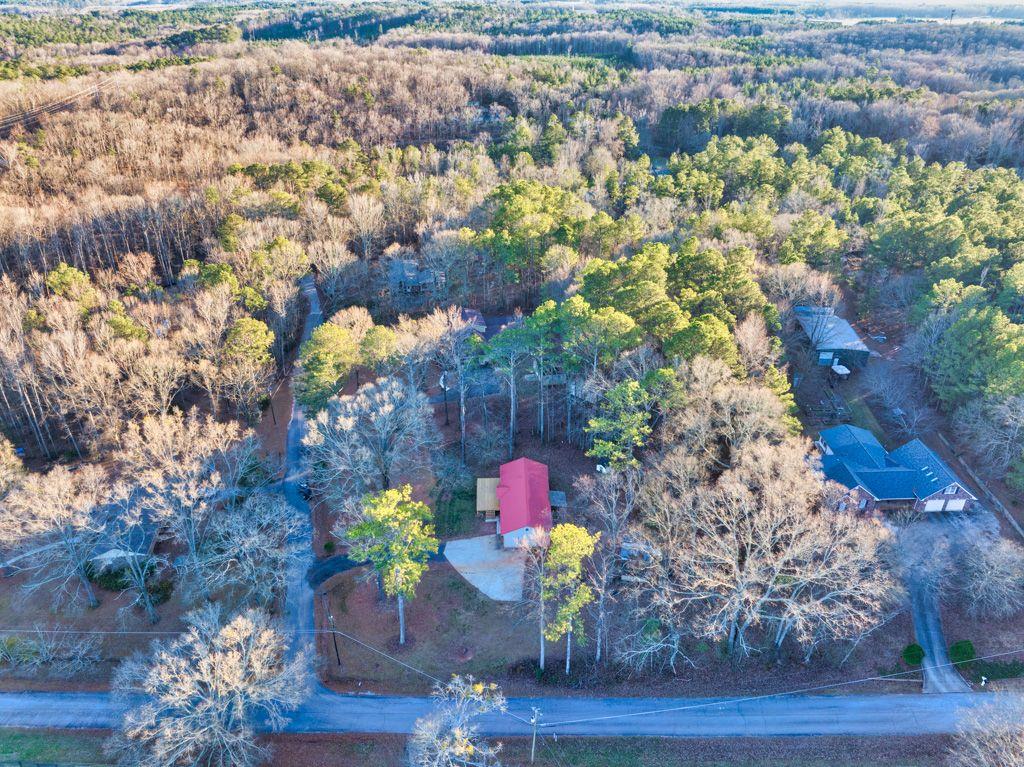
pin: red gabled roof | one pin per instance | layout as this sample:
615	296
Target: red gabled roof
523	496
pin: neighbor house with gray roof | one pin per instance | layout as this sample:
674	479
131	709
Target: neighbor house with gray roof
910	478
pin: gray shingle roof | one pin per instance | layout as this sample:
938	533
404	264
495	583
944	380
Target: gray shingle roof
935	475
856	444
858	459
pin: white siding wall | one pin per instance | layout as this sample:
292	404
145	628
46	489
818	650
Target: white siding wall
511	540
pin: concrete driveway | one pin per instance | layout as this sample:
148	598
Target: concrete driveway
495	572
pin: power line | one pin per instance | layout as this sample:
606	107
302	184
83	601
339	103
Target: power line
383	654
8	122
522	720
290	632
765	696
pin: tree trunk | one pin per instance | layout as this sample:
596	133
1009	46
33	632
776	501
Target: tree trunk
87	586
147	603
462	420
568	651
401	619
542	638
512	416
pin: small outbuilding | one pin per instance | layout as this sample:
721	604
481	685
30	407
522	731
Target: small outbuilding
833	339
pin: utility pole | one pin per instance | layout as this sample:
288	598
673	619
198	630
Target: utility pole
330	620
534	720
443	383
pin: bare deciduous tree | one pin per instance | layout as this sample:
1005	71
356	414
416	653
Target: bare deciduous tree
448	736
55	651
363	442
54	521
248	547
991	737
722	415
758	351
366	213
130	533
204	692
608	501
763	547
456	355
178	460
898	390
204	330
156	378
991	577
994	431
792	285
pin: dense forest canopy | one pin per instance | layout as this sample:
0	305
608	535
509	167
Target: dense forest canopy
592	223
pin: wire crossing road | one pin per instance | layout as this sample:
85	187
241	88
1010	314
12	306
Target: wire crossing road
805	715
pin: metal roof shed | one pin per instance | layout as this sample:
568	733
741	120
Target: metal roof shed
833	338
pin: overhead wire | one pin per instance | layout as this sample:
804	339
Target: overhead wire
765	696
564	722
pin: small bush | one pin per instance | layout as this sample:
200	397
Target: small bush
913	654
160	591
108	580
962	652
329	547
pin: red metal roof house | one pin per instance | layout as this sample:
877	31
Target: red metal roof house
524	505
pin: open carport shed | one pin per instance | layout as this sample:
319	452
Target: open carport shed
833	339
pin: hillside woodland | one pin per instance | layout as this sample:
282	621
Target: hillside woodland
643	193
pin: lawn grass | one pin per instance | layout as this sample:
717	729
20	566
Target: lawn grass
52	746
455	516
861	415
389	751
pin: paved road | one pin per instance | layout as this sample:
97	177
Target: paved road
322	569
871	715
299	595
921	543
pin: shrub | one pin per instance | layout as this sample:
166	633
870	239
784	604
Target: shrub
913	654
108	580
329	547
160	591
962	652
997	669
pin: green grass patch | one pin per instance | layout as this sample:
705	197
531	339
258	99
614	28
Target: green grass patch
52	746
455	514
992	670
861	415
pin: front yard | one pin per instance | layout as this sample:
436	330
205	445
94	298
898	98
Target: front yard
454	629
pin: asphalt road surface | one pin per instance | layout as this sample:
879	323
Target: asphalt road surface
805	715
299	596
939	674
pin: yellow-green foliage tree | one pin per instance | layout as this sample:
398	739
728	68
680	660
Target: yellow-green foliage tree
562	585
395	535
